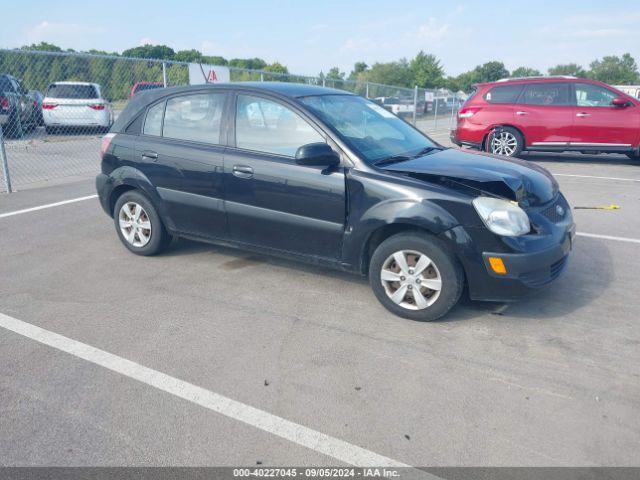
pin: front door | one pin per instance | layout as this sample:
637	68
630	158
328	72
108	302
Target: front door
270	200
544	114
597	123
181	153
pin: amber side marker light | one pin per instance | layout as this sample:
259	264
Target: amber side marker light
497	265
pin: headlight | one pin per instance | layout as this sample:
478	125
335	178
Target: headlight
502	217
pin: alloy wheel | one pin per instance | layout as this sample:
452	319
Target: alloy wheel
504	143
134	224
411	279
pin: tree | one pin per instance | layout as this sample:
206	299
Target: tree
214	60
615	70
487	72
358	69
160	52
427	71
276	67
42	46
248	63
335	74
526	72
490	72
190	56
392	73
568	69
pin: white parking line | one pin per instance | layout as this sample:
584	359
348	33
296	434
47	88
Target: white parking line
592	176
49	205
299	434
608	237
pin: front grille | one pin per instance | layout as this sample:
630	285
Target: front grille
541	277
551	212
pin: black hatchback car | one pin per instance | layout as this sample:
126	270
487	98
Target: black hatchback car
331	178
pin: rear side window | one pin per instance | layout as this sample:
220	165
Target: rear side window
546	94
153	121
194	117
503	94
266	126
72	91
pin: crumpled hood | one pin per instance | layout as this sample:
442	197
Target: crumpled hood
524	182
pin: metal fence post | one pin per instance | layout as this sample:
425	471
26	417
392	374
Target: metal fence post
262	77
366	95
323	82
453	109
5	165
164	74
435	112
415	104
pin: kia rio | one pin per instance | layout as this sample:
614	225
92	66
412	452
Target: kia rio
330	178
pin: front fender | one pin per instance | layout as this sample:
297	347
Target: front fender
417	213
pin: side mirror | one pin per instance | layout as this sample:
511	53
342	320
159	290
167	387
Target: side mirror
317	155
620	102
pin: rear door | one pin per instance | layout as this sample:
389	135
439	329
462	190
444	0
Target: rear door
544	114
181	151
597	123
271	201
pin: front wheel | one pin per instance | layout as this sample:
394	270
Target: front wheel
138	224
414	276
505	141
634	155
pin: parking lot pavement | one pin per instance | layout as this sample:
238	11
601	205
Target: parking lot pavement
552	380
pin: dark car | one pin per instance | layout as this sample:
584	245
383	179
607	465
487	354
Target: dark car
18	108
328	177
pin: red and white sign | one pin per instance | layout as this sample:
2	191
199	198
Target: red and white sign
200	73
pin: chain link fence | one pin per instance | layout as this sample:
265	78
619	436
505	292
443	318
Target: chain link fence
55	106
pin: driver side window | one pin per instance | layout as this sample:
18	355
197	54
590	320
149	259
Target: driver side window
588	95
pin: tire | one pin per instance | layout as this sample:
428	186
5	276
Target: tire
412	246
14	127
506	141
634	155
144	241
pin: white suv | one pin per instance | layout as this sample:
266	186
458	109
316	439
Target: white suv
75	104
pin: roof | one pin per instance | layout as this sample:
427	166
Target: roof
292	90
540	79
73	83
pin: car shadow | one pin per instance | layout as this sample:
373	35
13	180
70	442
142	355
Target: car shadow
577	287
602	159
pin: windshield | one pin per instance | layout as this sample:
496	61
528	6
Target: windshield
368	129
66	90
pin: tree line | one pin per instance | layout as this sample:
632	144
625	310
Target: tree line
117	74
426	71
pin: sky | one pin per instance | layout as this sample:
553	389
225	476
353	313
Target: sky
310	36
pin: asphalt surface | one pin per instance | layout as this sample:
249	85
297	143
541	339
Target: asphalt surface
553	380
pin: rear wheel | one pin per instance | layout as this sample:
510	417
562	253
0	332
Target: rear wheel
505	141
14	127
414	276
634	155
138	224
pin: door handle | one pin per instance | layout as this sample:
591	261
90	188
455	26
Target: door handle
150	155
242	171
583	114
521	112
